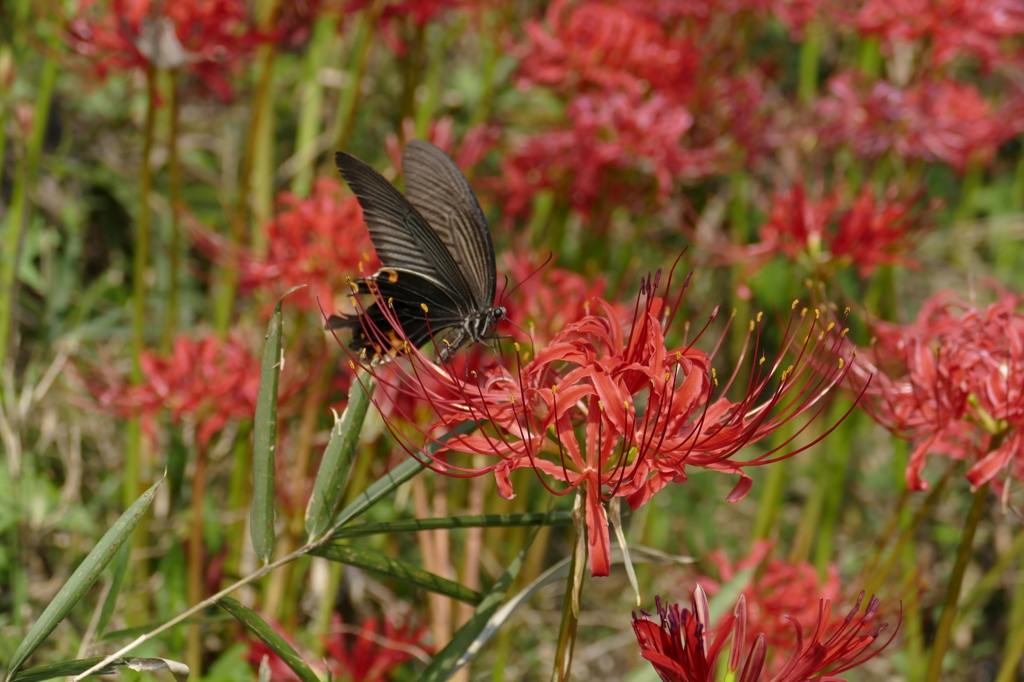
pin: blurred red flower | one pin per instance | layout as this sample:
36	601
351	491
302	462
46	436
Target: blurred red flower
953	383
476	142
977	27
607	132
867	234
941	120
208	379
776	593
371	653
547	298
356	654
320	242
209	38
608	46
645	409
683	647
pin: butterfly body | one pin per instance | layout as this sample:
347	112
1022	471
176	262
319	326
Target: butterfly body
438	277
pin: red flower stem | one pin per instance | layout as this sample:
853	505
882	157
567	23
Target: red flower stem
949	609
174	187
193	642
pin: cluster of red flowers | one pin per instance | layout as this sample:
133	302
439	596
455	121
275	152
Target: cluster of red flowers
934	120
952	26
368	655
319	242
647	409
867	234
953	383
206	37
777	593
684	647
209	380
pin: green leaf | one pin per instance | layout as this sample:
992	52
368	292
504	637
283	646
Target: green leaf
120	568
65	669
379	489
337	461
480	521
451	658
401	571
387	483
269	636
264	441
83	578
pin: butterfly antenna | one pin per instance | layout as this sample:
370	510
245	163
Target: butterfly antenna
527	278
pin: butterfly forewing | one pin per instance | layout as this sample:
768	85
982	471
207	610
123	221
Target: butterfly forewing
436	187
400	235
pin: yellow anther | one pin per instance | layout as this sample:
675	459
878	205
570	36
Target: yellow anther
391	301
446	343
795	303
351	365
625	404
842	334
831	326
600	405
847	311
803	312
424	308
817	313
516	344
554	388
761	361
473	372
667	375
511	398
854	355
352	300
751	325
841	363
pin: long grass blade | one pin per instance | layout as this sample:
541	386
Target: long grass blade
83	578
269	636
401	571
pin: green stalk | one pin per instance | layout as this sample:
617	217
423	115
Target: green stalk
174	182
345	119
262	170
194	650
412	62
18	212
140	260
770	504
1017	194
311	93
870	57
432	81
838	454
968	191
570	603
489	48
944	630
1014	649
810	54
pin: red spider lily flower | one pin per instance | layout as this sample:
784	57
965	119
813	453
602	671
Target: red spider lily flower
357	654
607	46
371	653
608	408
607	132
941	120
318	242
867	234
953	383
775	594
546	298
977	27
683	647
209	38
207	380
477	142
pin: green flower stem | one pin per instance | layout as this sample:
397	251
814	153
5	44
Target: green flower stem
770	503
489	47
364	35
311	93
949	608
835	481
969	187
18	211
570	603
810	54
1014	648
174	188
194	645
870	57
